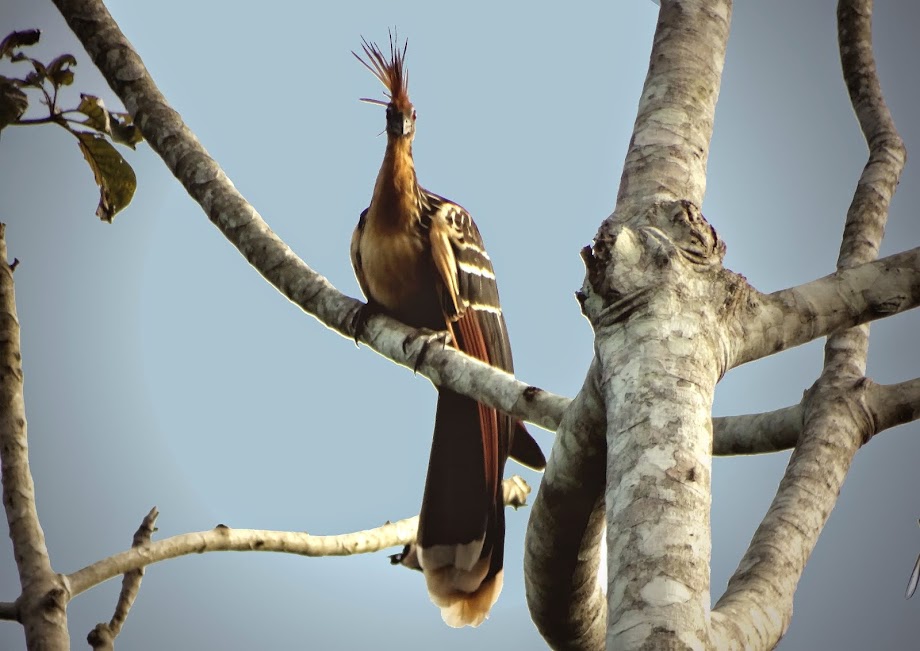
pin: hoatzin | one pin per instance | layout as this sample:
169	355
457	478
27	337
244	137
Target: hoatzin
419	258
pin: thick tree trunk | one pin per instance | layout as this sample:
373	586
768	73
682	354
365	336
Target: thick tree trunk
656	295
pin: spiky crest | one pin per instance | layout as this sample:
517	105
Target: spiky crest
392	73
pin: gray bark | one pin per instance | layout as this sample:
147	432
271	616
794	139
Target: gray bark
42	605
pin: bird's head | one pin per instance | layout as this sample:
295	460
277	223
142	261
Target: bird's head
393	75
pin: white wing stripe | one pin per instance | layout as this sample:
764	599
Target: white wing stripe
470	246
482	307
475	270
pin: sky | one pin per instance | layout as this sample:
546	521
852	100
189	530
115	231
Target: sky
160	369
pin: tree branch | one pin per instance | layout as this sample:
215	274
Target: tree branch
849	297
224	539
770	431
756	608
9	611
204	180
102	637
42	604
561	553
652	273
202	177
894	404
668	152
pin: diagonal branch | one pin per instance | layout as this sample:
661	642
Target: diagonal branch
837	419
42	606
204	180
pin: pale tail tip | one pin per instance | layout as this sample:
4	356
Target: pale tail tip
459	609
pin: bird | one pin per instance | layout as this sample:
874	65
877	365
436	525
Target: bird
420	259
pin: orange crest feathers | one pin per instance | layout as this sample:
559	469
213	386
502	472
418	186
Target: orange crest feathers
392	73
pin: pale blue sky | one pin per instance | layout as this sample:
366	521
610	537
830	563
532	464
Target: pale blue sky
161	370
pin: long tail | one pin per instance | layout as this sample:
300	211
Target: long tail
462	523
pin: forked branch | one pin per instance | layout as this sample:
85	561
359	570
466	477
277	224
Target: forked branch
102	637
757	606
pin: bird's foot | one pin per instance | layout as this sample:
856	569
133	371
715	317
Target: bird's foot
407	557
428	338
361	316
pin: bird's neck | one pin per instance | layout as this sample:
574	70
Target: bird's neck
396	192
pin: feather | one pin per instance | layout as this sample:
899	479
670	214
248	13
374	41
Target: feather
390	71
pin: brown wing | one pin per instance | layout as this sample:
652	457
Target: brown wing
469	298
462	523
468	288
356	254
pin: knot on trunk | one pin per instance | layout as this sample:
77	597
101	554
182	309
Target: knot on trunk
632	256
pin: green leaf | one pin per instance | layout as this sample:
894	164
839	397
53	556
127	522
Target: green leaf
126	134
40	70
37	77
13	102
96	116
18	39
119	126
115	178
124	131
59	71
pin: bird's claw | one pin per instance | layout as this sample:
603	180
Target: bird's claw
361	316
430	336
407	557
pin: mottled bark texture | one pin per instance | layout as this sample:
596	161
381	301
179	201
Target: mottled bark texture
42	605
660	342
565	528
669	147
654	293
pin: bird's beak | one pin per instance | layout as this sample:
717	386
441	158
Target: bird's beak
406	125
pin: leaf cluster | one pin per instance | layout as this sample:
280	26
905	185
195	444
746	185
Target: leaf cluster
95	127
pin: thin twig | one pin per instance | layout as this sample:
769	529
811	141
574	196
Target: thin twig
102	637
224	539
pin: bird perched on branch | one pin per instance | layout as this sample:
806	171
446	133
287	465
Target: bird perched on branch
420	258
